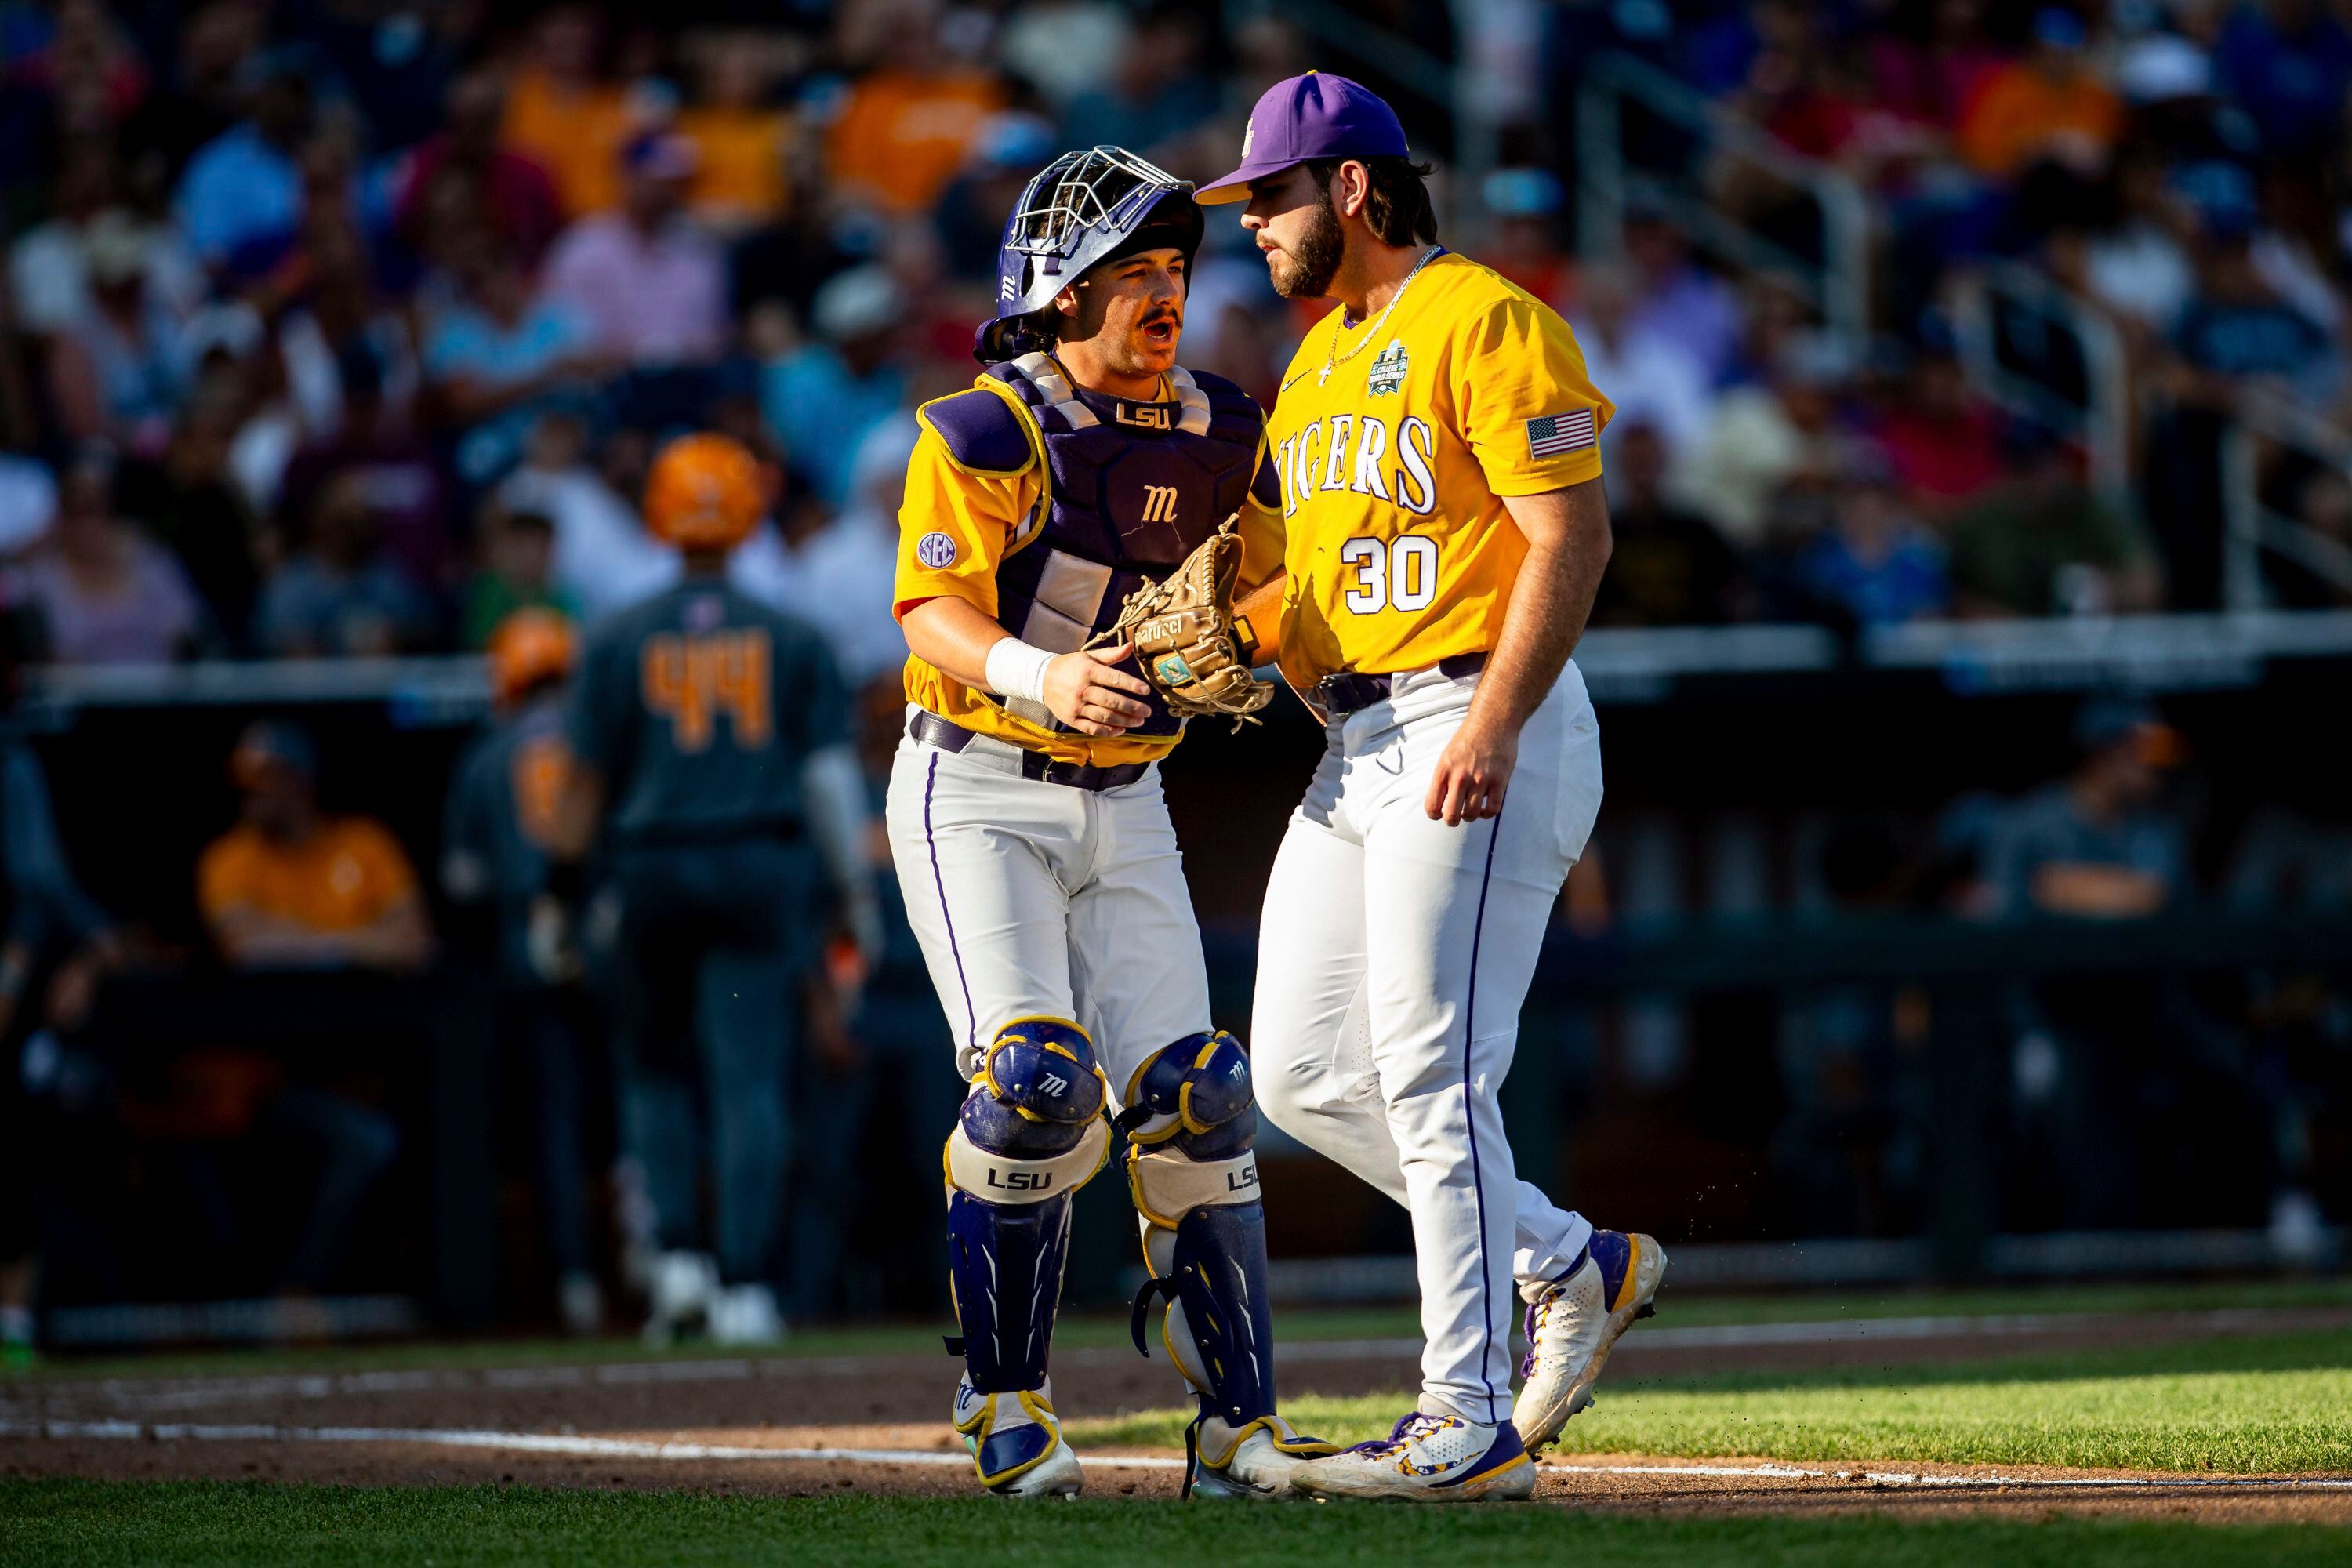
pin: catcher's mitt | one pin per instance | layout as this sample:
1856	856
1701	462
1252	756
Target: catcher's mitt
1189	644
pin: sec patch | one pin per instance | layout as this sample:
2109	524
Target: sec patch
936	550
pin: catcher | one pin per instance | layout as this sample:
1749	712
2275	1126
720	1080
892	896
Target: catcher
1042	509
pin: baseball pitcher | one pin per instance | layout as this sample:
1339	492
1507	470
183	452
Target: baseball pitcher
1026	820
1437	443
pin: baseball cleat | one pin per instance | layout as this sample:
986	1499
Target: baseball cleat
1427	1459
1016	1444
1575	1323
746	1315
680	1293
1258	1461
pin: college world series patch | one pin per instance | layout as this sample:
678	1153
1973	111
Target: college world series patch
1388	370
1556	434
936	550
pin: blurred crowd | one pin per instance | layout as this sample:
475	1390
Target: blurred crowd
343	328
2183	167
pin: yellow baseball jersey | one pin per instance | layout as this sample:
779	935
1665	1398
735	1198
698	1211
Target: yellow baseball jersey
1394	468
960	523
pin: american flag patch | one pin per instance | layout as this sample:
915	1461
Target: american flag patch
1557	432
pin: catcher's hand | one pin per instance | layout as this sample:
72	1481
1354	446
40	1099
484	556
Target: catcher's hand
1189	643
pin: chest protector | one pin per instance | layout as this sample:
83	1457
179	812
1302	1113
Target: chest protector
1130	489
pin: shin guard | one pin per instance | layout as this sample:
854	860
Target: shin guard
1189	1121
1029	1136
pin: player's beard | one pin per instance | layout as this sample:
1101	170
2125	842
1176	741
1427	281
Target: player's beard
1306	272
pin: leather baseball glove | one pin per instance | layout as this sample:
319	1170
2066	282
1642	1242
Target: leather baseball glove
1189	643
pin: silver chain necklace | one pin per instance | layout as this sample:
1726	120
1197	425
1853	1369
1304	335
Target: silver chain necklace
1331	364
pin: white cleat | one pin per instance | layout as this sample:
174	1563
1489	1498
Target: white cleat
1427	1459
746	1316
1257	1462
681	1292
1574	1324
1016	1443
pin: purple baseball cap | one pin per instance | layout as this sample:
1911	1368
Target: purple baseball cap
1317	115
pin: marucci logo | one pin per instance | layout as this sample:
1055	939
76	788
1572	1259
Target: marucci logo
1159	503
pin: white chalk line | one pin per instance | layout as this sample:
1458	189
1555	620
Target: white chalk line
192	1393
625	1448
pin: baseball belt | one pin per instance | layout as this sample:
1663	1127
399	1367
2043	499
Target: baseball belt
1349	692
933	730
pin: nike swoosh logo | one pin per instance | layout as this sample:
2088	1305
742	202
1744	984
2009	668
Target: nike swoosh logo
1295	380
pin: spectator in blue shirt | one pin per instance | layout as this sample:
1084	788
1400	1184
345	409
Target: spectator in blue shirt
2235	327
1873	563
499	358
2287	63
823	397
245	186
341	596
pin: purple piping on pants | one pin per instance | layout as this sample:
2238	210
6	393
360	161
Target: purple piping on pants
1469	1115
971	1020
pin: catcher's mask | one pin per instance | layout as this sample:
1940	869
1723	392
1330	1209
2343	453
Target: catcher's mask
1083	209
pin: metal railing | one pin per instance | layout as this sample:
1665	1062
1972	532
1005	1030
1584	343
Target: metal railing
2251	528
1629	666
1995	306
1837	283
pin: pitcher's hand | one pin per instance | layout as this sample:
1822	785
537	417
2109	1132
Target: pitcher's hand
1473	772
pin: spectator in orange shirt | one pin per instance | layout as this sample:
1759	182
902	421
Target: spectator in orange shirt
741	180
911	121
2049	106
288	888
561	116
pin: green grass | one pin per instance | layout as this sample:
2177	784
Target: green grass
1096	1330
83	1524
2243	1405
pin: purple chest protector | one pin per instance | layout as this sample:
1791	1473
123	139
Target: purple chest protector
1131	489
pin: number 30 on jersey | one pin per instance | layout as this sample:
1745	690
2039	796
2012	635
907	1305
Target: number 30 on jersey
1397	573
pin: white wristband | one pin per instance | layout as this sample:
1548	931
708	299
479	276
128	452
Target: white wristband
1018	669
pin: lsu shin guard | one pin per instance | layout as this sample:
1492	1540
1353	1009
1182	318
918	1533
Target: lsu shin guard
1190	1121
1030	1133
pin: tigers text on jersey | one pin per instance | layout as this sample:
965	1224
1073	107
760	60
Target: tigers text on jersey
1398	550
965	517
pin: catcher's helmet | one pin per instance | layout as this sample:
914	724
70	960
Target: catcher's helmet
531	648
1083	209
706	492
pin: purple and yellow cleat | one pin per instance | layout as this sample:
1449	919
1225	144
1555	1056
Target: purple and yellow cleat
1575	1321
1427	1459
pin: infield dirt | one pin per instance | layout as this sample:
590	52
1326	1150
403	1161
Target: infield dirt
425	1426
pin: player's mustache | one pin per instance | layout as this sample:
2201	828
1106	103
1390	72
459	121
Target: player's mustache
1174	317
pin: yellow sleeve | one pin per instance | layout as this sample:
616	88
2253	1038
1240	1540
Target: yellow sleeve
954	527
1528	411
1260	526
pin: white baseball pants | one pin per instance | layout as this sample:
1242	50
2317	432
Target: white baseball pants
1037	899
1393	957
